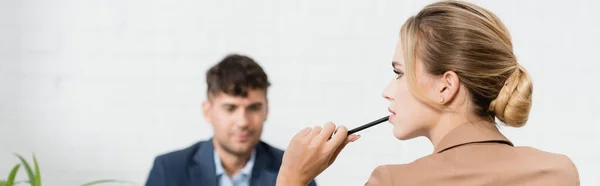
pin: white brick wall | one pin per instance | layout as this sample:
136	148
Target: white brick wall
97	88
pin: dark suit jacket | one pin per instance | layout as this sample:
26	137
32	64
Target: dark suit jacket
194	166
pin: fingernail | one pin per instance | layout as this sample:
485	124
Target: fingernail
355	138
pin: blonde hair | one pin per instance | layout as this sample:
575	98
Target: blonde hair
472	42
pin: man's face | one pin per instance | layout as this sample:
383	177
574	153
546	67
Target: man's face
237	121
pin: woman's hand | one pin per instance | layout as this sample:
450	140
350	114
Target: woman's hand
310	152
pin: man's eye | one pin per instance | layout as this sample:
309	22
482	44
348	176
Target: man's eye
254	108
230	109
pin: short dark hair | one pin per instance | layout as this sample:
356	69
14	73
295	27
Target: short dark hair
235	75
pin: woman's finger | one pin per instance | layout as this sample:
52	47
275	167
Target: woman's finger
326	132
349	139
337	139
314	132
303	132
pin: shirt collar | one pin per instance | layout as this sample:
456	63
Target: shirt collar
471	133
247	170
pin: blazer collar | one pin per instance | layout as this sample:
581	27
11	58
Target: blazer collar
203	172
205	155
471	133
263	172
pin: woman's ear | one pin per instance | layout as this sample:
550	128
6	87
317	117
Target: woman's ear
449	84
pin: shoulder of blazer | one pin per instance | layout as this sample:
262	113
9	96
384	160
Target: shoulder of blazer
402	174
270	156
382	175
560	166
180	158
185	157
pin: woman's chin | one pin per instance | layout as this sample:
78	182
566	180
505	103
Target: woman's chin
403	134
403	138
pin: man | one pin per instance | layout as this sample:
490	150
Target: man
237	108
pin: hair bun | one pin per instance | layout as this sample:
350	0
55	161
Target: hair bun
513	103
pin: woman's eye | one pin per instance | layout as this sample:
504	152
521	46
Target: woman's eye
398	73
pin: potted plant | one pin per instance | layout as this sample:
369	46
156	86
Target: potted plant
35	178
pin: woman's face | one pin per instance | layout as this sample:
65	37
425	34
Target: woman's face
410	116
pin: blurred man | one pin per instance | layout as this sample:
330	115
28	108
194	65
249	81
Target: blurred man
237	108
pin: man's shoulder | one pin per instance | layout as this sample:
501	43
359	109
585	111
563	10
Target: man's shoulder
272	156
186	155
271	150
181	157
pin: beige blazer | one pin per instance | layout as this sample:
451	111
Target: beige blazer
478	154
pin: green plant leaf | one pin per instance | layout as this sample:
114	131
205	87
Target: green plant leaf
27	168
12	175
21	182
3	183
38	177
108	181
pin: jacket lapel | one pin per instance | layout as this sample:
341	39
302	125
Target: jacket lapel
204	166
263	172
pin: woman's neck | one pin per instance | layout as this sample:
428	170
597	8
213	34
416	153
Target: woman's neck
446	124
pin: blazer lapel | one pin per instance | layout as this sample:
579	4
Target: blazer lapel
265	178
263	172
200	173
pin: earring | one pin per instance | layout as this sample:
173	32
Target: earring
441	99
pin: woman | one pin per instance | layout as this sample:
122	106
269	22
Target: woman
456	73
